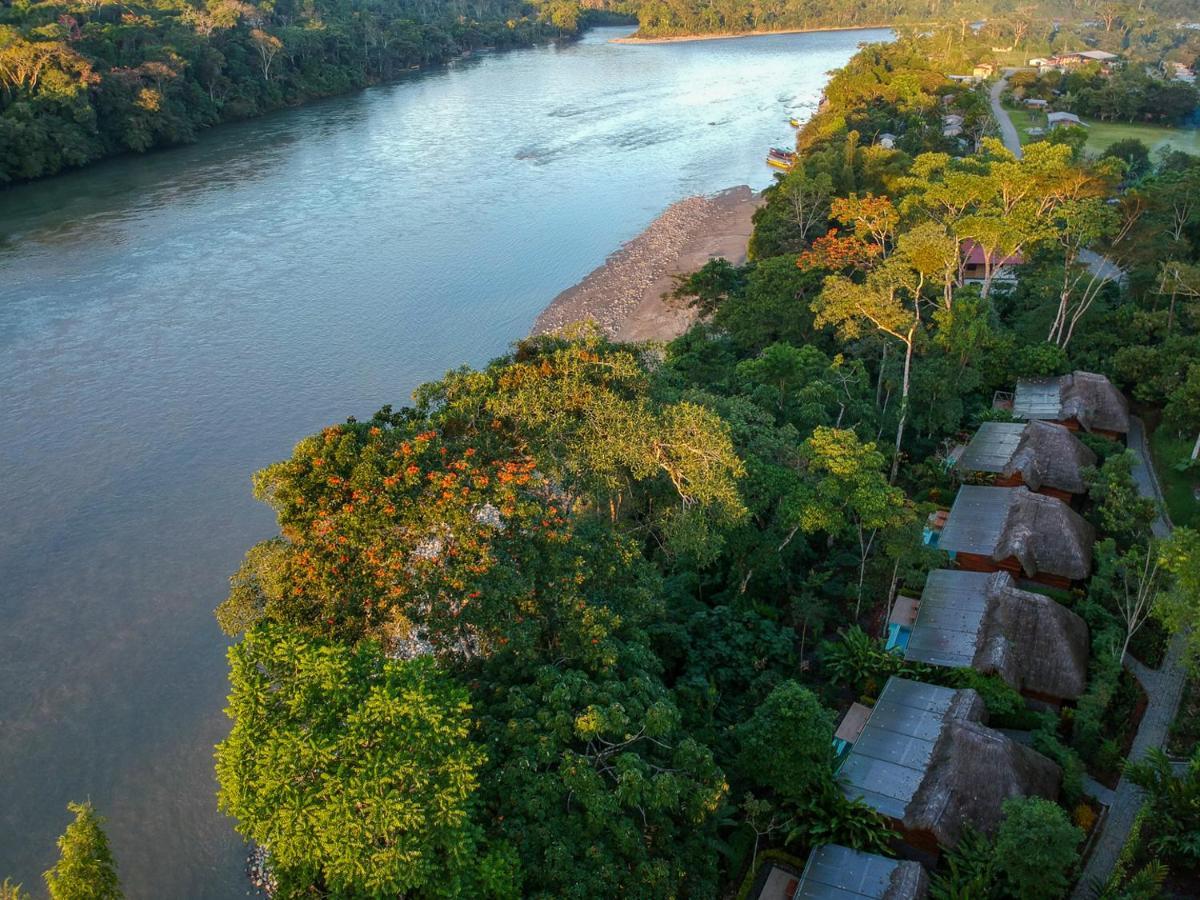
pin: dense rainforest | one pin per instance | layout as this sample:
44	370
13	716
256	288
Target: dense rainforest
84	79
580	623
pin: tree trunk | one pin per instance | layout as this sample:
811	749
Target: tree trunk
908	352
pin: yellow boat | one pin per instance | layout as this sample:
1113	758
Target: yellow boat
795	123
778	163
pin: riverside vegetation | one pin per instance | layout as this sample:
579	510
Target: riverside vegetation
576	624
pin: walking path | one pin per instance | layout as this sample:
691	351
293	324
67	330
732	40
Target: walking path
1163	687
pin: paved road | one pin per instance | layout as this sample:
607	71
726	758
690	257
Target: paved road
1163	687
1008	131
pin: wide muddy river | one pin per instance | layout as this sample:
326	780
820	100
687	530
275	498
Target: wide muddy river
170	323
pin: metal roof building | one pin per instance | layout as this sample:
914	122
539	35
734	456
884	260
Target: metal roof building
984	621
834	872
888	761
1043	455
1033	535
1085	399
992	446
949	619
976	519
926	760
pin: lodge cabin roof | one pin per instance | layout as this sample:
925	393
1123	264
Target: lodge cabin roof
926	760
1043	453
984	621
834	872
1042	533
1090	399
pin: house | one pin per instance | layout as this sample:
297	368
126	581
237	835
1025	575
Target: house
1035	102
993	529
983	71
1064	120
926	760
975	264
1043	456
986	622
1100	56
963	79
1038	62
1079	400
1179	72
887	141
834	871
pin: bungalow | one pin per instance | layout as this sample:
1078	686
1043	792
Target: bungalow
1038	62
1064	120
1079	400
887	141
993	529
1177	71
986	622
975	265
1036	102
983	71
834	871
1043	456
926	760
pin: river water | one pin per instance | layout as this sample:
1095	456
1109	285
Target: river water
171	323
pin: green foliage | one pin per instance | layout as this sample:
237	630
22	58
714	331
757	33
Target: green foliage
1120	511
356	771
968	869
594	780
1173	820
10	891
1036	849
85	869
79	81
786	745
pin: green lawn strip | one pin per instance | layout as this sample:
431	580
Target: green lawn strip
1168	452
1102	135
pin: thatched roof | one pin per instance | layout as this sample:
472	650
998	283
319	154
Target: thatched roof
1042	533
927	760
1045	454
986	622
834	872
1086	397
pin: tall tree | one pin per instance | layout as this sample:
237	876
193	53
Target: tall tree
85	869
357	772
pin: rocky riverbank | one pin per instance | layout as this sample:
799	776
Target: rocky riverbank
628	296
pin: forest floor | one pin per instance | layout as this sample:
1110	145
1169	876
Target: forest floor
629	296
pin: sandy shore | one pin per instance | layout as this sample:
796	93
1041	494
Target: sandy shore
726	35
625	296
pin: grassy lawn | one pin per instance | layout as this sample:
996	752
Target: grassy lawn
1101	135
1177	486
1024	119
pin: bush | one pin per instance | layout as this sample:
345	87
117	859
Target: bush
1036	849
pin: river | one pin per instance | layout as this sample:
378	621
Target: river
170	323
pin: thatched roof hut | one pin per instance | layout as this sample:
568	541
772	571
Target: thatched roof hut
834	872
926	760
986	622
1079	400
1044	456
1028	534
